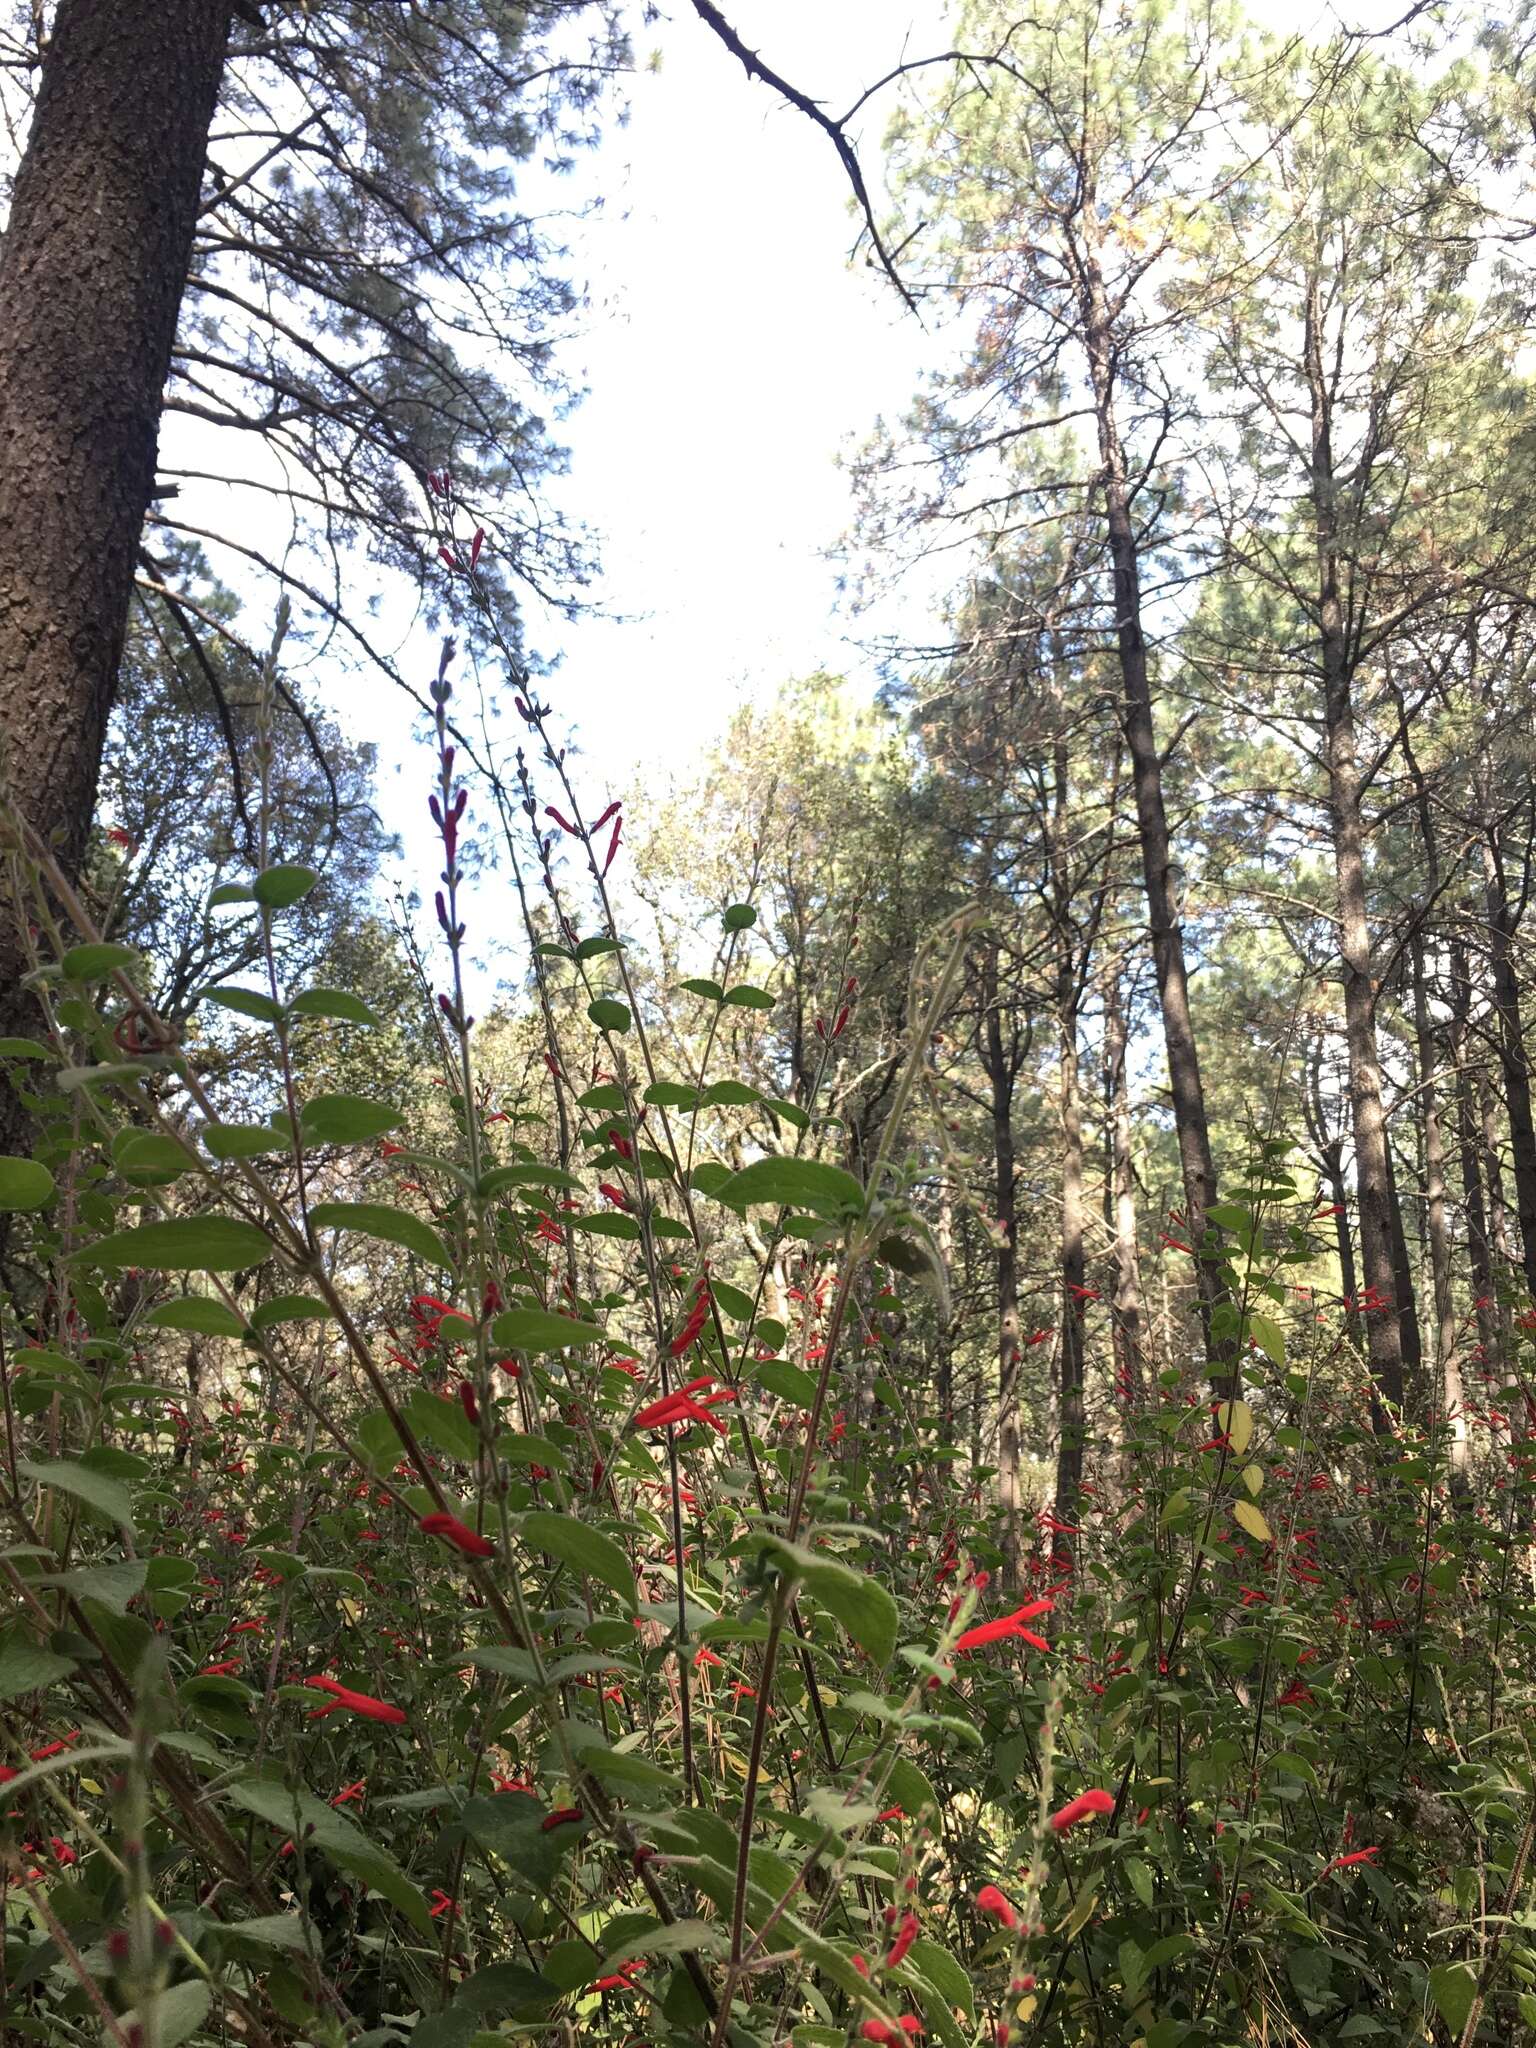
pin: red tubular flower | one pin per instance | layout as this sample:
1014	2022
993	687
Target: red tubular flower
350	1702
990	1900
442	1903
458	1533
1007	1626
468	1402
707	1656
348	1792
449	559
563	822
220	1670
622	1978
697	1316
891	1813
906	1934
1358	1856
560	1817
613	844
612	811
612	1194
476	545
1080	1808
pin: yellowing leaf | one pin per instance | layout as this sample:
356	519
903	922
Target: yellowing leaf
1248	1517
1080	1915
1253	1479
1235	1419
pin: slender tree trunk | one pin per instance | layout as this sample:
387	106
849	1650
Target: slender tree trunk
1074	1266
1512	1053
1000	1073
92	271
1184	1082
1447	1364
1469	1145
944	1237
1386	1305
1120	1202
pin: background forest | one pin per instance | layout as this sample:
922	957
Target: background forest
887	1393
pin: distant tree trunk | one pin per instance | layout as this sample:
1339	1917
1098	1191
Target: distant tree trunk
1000	1074
1403	1292
1512	1053
944	1237
1185	1087
1469	1148
1447	1364
1372	1166
1120	1201
1074	1267
1330	1164
92	271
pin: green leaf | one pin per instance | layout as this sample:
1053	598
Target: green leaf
582	1547
114	1584
535	1329
788	1382
96	962
94	1488
25	1666
24	1184
811	1184
606	1095
389	1225
745	997
863	1606
185	1244
281	886
267	1930
288	1308
608	1013
589	949
499	1178
346	1119
947	1976
1269	1337
249	1002
150	1158
735	1094
739	917
791	1112
230	892
242	1141
702	986
23	1049
672	1095
1453	1987
332	1002
178	2013
195	1312
322	1828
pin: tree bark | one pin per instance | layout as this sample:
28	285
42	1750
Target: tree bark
1384	1306
1513	1057
1185	1087
1469	1151
1000	1074
1120	1202
92	270
1071	1416
1447	1362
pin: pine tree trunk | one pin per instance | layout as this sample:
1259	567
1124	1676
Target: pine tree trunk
1385	1305
1009	1331
1512	1053
1468	1146
1447	1363
1185	1087
92	271
1071	1417
1120	1202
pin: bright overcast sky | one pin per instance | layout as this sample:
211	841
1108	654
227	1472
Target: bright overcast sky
731	352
